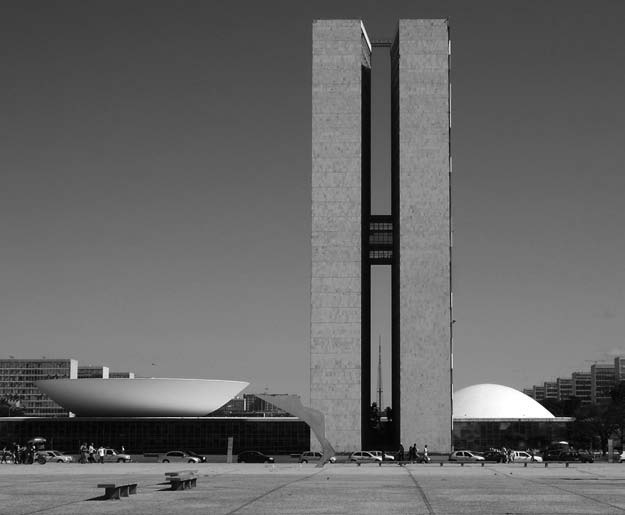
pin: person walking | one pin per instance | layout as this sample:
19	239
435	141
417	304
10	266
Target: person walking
16	453
100	454
83	452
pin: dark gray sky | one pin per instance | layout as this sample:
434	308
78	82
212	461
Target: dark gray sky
155	200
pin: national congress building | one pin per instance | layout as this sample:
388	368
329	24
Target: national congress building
414	239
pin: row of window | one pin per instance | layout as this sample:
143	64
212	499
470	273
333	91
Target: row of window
206	435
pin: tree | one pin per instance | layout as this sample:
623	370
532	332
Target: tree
617	409
593	421
562	408
10	406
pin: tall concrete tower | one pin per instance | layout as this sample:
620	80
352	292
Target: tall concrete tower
414	239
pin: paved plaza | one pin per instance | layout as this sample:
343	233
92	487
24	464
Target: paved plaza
286	488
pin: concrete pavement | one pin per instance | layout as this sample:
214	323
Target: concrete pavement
224	489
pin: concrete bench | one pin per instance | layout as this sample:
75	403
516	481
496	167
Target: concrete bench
116	491
177	473
182	480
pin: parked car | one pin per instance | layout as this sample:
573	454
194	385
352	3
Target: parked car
313	456
179	457
196	455
558	455
621	457
254	457
525	457
552	455
585	456
494	455
112	456
385	456
465	456
364	457
55	456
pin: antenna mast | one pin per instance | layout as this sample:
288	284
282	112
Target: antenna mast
380	372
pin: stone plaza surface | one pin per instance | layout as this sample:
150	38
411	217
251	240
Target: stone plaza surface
290	488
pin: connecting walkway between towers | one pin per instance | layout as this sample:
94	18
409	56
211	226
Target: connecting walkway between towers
380	240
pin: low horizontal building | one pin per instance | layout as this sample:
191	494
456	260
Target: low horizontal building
138	435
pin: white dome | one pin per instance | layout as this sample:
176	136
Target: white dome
495	401
141	397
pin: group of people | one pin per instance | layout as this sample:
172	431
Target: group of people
507	455
18	454
89	454
413	454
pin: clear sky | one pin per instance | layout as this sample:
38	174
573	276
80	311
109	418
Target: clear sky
155	161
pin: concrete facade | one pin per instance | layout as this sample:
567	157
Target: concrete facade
91	371
421	210
341	64
342	235
17	384
601	382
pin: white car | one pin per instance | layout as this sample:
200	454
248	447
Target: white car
111	455
55	457
179	457
621	457
525	457
364	457
314	456
465	456
384	456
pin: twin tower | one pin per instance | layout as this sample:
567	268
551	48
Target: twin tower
414	239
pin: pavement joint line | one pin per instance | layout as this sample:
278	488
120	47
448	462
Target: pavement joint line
551	485
251	501
424	497
48	508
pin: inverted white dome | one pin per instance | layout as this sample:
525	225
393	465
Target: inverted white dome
141	397
496	402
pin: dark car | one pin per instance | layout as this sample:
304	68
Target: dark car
497	456
586	457
583	456
253	457
552	455
559	455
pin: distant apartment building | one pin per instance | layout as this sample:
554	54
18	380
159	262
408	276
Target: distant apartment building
17	383
121	375
582	382
565	388
593	387
539	393
619	369
93	372
551	389
602	382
